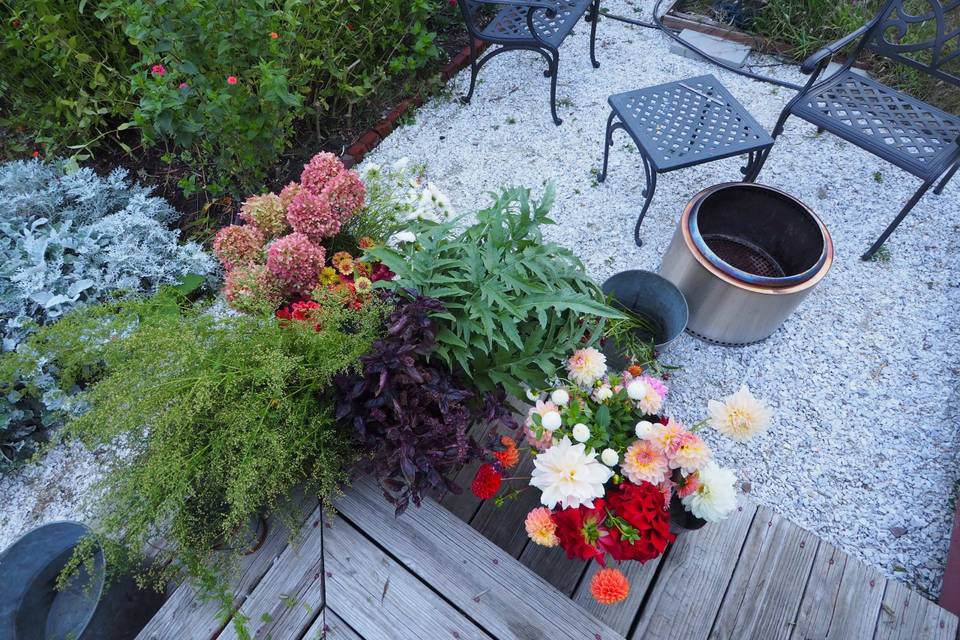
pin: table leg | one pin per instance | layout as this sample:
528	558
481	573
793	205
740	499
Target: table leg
651	185
754	164
607	143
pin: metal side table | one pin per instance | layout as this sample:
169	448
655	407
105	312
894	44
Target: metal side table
682	124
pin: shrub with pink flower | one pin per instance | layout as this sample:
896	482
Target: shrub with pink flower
345	194
287	193
310	214
267	213
237	245
296	262
251	288
321	169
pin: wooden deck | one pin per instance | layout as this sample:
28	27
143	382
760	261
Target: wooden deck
463	569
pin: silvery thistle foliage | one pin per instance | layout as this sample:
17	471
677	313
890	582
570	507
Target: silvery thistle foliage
67	240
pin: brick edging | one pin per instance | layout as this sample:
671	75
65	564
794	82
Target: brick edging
369	140
950	593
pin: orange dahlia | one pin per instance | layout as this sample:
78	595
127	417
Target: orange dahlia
510	456
609	586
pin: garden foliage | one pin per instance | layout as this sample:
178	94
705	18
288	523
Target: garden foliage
218	85
66	240
513	304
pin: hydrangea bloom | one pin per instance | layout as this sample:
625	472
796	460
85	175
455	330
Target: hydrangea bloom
287	193
345	193
321	169
296	262
236	245
310	214
252	289
266	213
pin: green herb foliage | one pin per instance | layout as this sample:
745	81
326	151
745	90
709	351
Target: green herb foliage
217	419
515	305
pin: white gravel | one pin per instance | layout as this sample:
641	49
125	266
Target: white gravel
862	376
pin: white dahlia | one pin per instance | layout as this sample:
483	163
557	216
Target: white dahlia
569	476
740	416
716	497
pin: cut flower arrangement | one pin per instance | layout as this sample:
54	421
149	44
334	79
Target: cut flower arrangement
612	469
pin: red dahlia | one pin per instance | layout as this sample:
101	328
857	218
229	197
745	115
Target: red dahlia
641	507
581	531
486	483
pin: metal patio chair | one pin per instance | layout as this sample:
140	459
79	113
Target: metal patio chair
531	25
905	131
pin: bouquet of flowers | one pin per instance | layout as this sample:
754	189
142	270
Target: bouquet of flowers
609	466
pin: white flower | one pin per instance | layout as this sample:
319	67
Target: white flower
560	397
740	416
569	476
581	432
610	457
645	396
716	497
551	421
403	236
401	164
604	393
531	396
371	169
586	366
437	197
644	429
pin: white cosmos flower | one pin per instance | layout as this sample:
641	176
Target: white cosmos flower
716	497
581	432
569	476
560	397
644	429
740	416
551	421
610	457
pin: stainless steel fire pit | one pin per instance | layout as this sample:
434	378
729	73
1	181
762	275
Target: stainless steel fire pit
745	255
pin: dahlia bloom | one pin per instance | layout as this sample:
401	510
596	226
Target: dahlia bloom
487	482
580	531
252	289
321	169
646	396
509	456
543	442
666	438
287	193
311	215
688	484
641	506
739	416
236	245
569	476
644	462
691	453
541	528
586	366
609	586
266	213
296	262
715	497
345	193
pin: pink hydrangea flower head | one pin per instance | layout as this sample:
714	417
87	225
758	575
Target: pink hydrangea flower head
345	194
267	213
321	169
295	262
287	193
310	214
251	288
236	245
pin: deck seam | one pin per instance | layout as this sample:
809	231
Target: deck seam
726	590
661	562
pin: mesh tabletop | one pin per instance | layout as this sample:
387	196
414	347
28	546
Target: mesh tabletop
680	126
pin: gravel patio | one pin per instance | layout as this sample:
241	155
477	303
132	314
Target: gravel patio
863	377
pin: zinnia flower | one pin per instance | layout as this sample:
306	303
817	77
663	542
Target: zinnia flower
715	498
568	476
274	35
609	586
486	483
363	285
644	462
586	366
328	276
158	70
691	453
739	416
541	528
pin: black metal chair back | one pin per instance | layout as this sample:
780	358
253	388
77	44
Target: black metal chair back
923	34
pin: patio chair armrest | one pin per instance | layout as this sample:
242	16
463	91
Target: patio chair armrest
538	4
822	56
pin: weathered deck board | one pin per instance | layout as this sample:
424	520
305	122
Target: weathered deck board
693	579
488	585
504	525
379	598
290	595
186	615
842	599
764	594
552	565
906	615
333	625
619	617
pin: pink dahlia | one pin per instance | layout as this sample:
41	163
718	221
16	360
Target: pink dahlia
251	288
643	462
311	215
541	528
321	169
691	453
295	262
235	245
345	194
266	213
